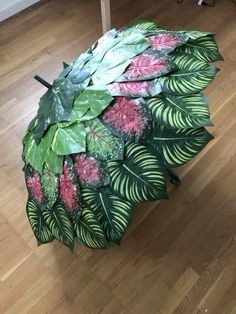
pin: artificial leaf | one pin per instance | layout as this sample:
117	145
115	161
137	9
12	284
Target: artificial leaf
147	65
204	48
49	183
188	111
177	146
101	143
90	171
135	89
53	161
143	25
127	118
88	230
69	139
139	176
60	225
69	189
113	212
166	41
192	34
192	76
90	103
40	229
118	58
33	183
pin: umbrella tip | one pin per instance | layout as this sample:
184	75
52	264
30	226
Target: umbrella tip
42	81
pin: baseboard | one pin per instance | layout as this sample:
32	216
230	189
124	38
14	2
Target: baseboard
15	7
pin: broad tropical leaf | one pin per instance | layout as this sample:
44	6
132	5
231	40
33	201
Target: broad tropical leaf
192	34
101	143
165	41
178	146
127	118
113	212
33	183
89	231
204	48
69	139
41	230
188	111
60	225
192	76
49	183
139	177
118	58
135	89
144	25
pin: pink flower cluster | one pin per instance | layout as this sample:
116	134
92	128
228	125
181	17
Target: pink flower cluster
34	186
87	169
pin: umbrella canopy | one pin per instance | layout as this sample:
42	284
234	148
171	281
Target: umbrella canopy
110	129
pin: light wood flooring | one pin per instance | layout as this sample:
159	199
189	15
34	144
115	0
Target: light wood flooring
178	256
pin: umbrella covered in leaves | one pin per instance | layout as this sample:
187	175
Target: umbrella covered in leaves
111	127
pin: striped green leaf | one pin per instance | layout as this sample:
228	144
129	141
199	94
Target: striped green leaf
49	183
178	146
113	212
88	230
139	177
40	228
192	76
188	111
204	48
60	225
143	25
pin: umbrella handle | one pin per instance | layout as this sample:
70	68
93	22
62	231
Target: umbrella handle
106	15
42	81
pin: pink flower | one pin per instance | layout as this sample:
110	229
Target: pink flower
126	115
66	189
34	186
144	66
87	169
162	42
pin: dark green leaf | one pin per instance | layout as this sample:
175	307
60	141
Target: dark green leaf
49	183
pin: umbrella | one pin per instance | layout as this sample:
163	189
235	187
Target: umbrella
111	127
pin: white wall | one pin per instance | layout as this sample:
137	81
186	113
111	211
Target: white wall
11	7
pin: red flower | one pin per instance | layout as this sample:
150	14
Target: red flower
126	115
34	186
66	189
145	65
87	169
162	42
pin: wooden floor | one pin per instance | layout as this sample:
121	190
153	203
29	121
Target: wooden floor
179	256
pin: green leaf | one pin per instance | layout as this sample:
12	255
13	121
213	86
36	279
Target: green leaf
203	48
139	177
188	111
192	76
53	161
49	183
113	212
143	25
69	139
89	231
178	146
101	143
38	224
90	103
60	225
118	58
192	34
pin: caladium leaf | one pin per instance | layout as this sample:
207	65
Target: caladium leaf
49	183
90	103
204	48
166	41
192	76
135	89
101	143
188	111
177	146
127	118
69	139
88	230
69	189
118	58
60	225
113	212
90	171
38	224
139	176
33	183
146	66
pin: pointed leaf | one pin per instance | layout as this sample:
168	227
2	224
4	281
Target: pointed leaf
49	183
139	177
166	41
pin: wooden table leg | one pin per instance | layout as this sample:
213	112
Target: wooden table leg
106	15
